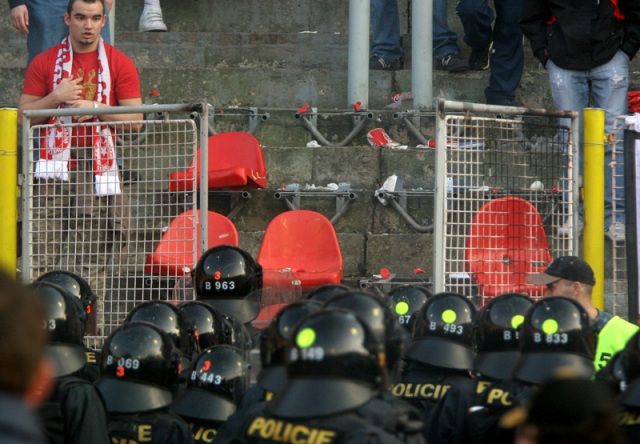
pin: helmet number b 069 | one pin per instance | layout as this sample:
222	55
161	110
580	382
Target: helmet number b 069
128	363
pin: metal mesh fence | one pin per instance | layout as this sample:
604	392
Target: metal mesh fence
618	300
508	203
109	239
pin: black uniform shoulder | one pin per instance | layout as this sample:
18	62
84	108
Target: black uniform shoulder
74	413
232	429
394	416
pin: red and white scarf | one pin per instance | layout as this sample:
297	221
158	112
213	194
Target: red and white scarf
56	149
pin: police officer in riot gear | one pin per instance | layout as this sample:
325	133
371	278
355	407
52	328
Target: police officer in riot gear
572	277
73	413
325	292
168	318
622	374
335	366
79	287
229	279
217	380
468	410
405	301
206	325
374	312
274	346
140	366
441	352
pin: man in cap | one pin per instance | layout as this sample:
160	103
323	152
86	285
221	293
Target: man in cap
572	277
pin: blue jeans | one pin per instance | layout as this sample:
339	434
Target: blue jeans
47	27
385	30
507	59
606	85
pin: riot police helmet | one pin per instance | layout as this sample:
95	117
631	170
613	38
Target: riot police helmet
218	378
65	322
229	279
323	293
275	342
443	333
335	364
140	367
168	318
497	333
556	334
374	312
407	300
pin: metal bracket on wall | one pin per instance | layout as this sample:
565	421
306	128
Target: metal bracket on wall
309	120
411	120
254	118
344	195
392	193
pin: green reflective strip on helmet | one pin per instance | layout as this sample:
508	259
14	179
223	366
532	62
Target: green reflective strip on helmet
516	321
449	316
550	326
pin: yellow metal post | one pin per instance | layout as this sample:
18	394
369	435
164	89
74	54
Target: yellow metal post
593	186
9	187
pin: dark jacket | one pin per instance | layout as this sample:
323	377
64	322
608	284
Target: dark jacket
18	424
581	34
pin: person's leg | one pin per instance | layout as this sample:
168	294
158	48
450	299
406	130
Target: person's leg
507	60
476	17
610	83
569	91
385	32
151	17
446	53
445	41
46	25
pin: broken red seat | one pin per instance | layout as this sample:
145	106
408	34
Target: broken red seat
235	162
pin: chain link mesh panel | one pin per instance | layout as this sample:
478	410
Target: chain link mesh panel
618	298
509	201
108	239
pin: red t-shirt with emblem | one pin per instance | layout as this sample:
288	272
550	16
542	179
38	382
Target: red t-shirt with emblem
125	81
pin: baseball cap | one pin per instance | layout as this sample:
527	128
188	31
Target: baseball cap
571	268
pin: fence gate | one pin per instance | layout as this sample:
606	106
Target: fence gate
78	216
506	196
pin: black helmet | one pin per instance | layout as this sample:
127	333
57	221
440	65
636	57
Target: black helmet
74	284
206	325
374	312
167	318
443	332
228	279
140	366
405	301
556	333
498	347
325	292
65	322
335	365
218	378
275	343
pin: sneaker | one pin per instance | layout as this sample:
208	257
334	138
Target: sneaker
479	59
151	20
616	232
566	230
380	63
451	63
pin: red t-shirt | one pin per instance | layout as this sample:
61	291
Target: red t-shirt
125	81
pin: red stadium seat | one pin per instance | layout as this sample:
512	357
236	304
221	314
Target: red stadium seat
235	162
174	255
304	242
506	242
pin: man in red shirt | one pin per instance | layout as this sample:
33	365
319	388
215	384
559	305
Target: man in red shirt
81	216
